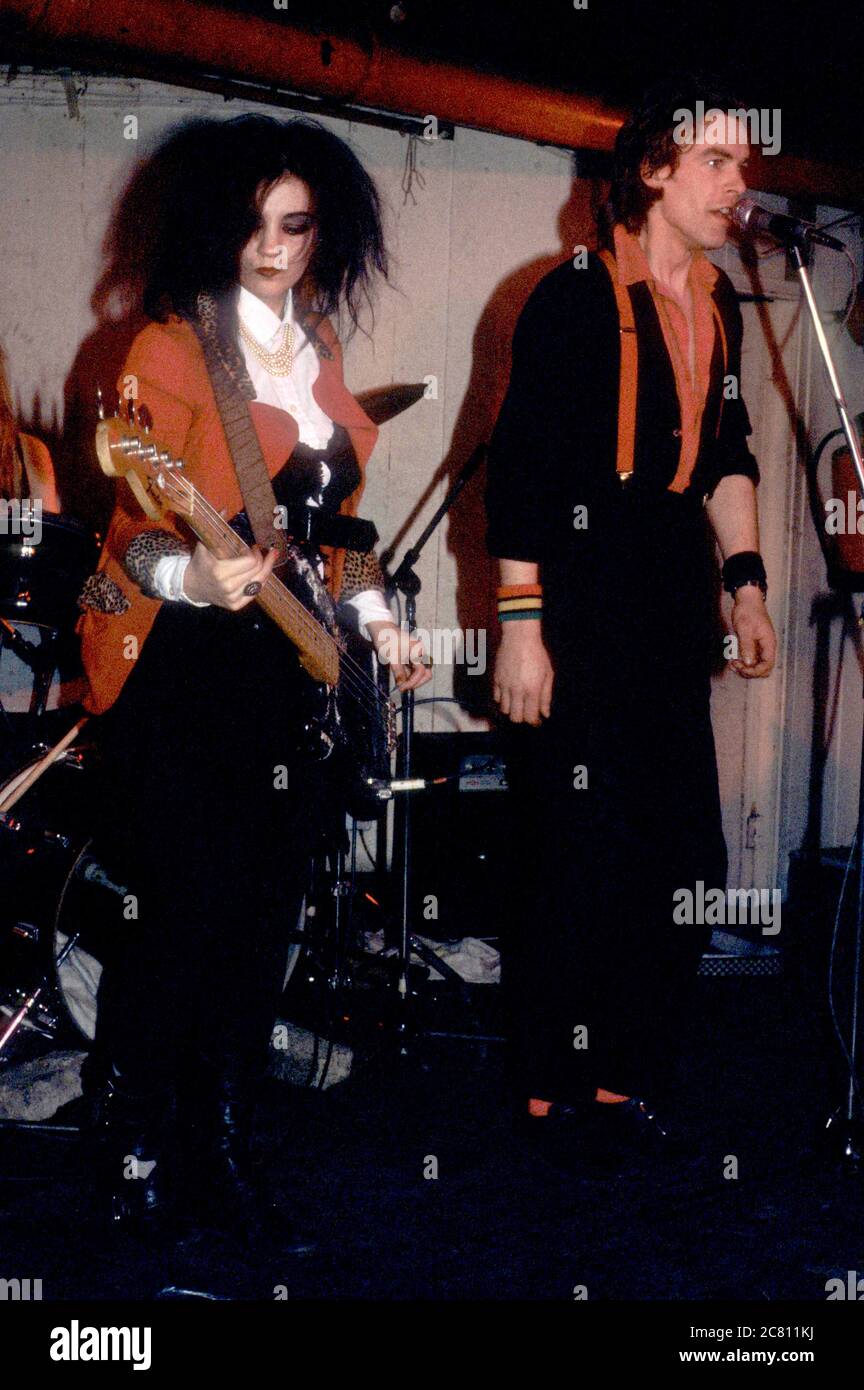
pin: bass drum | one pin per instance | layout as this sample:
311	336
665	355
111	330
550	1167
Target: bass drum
62	910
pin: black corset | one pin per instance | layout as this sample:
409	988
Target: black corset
300	477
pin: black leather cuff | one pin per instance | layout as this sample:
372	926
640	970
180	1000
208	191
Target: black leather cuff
746	567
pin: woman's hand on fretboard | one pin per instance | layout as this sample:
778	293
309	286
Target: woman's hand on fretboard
226	583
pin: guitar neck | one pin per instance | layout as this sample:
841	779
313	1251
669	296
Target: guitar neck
319	654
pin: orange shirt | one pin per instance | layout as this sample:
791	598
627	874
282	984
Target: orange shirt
691	385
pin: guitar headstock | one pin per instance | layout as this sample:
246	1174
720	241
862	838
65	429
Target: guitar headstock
127	449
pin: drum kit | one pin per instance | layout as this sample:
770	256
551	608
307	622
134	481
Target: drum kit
53	893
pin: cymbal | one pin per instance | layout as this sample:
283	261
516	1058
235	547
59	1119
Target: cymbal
383	402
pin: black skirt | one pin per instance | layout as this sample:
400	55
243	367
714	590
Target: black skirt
212	810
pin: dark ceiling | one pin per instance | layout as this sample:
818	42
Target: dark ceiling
805	58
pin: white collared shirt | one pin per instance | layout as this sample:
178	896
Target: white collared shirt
292	393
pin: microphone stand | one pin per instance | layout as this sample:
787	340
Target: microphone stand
845	1124
406	581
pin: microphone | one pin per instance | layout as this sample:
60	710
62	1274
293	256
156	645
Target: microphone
754	220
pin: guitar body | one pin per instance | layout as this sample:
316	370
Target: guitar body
348	733
369	741
352	746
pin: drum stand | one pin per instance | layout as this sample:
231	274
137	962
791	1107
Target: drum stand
7	801
29	1003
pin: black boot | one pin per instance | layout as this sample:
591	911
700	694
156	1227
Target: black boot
131	1133
226	1189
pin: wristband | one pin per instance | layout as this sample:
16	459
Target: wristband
746	567
517	602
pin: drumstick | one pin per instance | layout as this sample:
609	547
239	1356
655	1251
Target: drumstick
8	801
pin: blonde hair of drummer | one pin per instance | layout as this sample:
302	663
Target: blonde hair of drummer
36	479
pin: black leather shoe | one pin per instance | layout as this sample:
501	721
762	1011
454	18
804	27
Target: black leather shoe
225	1191
632	1128
131	1136
610	1136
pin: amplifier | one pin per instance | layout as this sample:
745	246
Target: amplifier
462	845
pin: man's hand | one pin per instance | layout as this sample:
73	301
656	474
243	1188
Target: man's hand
402	652
523	673
757	644
208	580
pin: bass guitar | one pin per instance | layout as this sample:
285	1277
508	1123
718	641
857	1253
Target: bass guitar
345	716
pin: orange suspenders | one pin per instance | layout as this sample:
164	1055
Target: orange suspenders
629	374
628	381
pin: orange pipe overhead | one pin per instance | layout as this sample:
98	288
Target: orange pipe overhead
245	47
166	38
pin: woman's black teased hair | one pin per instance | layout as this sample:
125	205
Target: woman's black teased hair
646	143
206	178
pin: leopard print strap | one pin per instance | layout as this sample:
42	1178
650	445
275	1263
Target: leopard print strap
229	354
143	554
359	573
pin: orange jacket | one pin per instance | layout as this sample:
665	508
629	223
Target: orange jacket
169	376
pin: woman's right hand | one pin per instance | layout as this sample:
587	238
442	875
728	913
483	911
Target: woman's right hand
209	580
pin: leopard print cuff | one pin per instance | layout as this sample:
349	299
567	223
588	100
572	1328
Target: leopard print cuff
143	555
359	573
103	595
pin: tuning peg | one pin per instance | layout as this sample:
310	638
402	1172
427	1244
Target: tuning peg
100	405
145	419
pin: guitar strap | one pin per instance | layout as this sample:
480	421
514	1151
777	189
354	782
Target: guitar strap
232	389
628	378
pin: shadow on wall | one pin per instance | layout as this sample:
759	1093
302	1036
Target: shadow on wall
143	209
490	370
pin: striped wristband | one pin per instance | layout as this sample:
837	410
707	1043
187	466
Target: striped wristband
517	602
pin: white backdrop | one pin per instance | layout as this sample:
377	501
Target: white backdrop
485	218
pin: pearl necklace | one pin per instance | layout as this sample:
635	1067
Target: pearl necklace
278	363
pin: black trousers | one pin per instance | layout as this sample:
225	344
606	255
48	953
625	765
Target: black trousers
617	807
212	818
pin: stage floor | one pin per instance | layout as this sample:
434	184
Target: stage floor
757	1078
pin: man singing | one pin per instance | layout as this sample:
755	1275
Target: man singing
623	428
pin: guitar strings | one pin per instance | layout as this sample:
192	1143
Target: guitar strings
352	679
360	686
